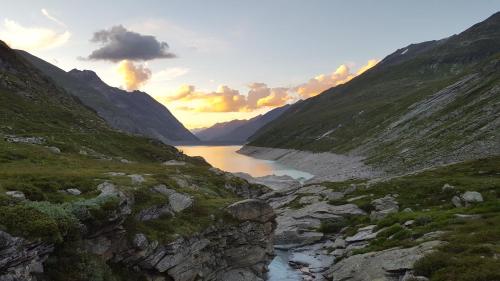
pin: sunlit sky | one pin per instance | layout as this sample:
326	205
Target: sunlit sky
228	59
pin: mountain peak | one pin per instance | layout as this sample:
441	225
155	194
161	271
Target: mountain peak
85	75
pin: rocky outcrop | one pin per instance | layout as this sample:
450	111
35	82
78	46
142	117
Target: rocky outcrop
241	249
239	245
388	265
20	259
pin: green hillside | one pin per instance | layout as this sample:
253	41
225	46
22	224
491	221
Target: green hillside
429	103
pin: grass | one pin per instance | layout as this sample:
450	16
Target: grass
472	244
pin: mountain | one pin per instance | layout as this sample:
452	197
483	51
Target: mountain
82	201
238	131
133	112
423	105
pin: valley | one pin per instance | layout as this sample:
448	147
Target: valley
388	173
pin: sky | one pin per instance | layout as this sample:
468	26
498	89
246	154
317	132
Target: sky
215	61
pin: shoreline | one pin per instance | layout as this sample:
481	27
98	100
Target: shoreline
325	166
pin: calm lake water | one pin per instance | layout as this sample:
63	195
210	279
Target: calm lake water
226	158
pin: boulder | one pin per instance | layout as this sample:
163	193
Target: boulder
384	206
173	163
379	265
311	189
339	243
179	201
251	210
54	149
73	191
16	194
447	187
363	234
137	179
456	201
471	197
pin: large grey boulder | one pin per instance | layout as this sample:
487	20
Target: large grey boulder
179	201
384	206
251	210
471	197
387	265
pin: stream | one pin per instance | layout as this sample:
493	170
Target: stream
226	158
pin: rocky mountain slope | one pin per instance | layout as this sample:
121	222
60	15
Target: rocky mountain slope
426	104
238	131
81	201
133	112
442	224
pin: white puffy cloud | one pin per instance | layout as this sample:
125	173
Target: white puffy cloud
31	38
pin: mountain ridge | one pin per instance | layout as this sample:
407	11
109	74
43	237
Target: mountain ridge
133	112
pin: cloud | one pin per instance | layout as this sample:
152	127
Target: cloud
31	38
133	75
259	95
323	82
122	44
50	17
225	99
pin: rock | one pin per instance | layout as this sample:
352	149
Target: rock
332	195
356	198
21	260
154	212
116	174
408	210
456	201
251	210
140	241
378	265
162	189
125	161
309	199
471	197
16	194
173	163
137	179
73	191
216	171
409	223
240	275
410	277
54	149
338	253
311	189
447	187
383	207
339	243
279	202
467	217
363	234
28	140
179	202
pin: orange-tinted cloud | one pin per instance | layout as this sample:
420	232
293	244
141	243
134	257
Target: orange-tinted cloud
133	75
323	82
225	99
259	96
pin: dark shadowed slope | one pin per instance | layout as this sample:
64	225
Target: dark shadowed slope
238	131
133	112
425	104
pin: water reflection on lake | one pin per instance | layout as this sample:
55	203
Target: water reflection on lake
226	158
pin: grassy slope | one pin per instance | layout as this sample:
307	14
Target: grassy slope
32	105
473	244
362	109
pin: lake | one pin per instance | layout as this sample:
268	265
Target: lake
226	158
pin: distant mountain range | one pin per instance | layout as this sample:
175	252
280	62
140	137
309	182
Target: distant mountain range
132	112
426	104
237	131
